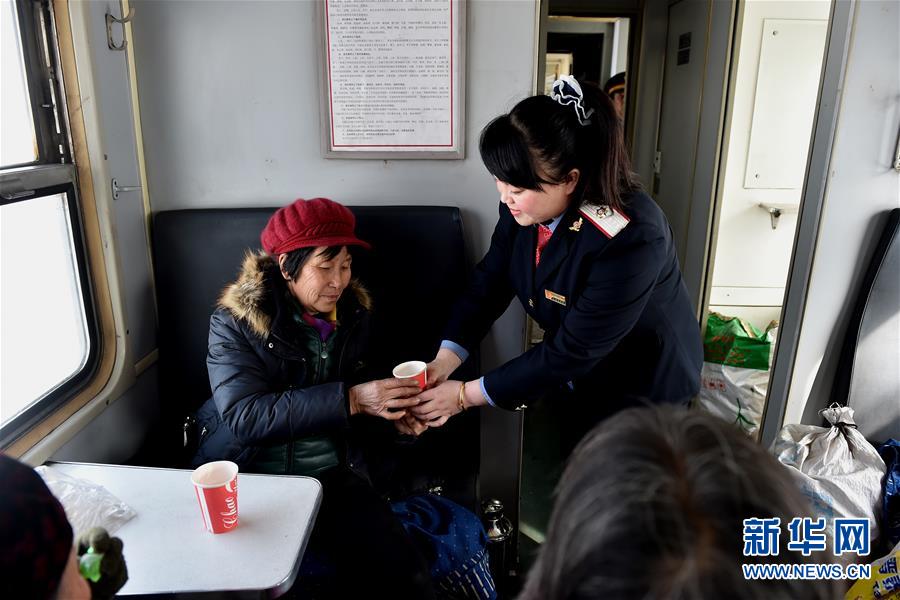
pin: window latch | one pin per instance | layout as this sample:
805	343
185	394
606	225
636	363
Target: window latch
14	189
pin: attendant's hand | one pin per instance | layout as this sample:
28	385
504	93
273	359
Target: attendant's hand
409	425
442	367
385	398
438	404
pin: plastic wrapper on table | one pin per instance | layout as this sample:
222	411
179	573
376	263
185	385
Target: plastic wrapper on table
86	504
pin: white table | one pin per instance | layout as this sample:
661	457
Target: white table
168	550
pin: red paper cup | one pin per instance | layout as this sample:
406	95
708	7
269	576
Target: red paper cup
414	369
216	486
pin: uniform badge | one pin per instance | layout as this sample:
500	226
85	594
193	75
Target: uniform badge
554	297
576	226
608	220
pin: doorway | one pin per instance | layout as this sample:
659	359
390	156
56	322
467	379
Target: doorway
596	45
593	49
740	85
771	106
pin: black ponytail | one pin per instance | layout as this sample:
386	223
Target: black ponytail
540	141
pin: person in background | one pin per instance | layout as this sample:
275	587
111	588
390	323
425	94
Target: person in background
652	505
615	89
592	260
38	559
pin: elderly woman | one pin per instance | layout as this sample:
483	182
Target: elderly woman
287	370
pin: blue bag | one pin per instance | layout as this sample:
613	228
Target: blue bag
454	544
890	452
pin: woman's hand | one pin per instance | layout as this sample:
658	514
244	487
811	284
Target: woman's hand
385	398
409	425
438	404
442	367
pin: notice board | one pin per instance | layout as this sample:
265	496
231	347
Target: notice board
392	78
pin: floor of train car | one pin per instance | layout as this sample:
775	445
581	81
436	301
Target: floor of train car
542	465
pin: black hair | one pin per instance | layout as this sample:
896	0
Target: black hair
540	141
295	259
651	505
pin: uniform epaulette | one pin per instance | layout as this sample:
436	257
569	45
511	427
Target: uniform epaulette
608	220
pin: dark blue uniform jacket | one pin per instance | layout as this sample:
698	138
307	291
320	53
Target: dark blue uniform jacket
618	320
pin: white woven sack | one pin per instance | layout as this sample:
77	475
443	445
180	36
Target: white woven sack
837	468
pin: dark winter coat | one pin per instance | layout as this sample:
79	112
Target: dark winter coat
618	319
263	373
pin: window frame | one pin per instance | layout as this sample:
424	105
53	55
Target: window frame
52	173
37	32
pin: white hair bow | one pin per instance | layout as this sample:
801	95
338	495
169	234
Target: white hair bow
566	90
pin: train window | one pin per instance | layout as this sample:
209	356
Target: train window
49	345
19	142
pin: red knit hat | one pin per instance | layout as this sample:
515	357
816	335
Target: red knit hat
306	223
35	535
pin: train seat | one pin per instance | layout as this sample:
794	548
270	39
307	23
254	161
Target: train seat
415	270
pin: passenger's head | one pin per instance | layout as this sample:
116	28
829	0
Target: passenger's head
547	153
37	556
615	89
651	506
311	240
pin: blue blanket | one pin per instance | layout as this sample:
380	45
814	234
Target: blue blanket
453	542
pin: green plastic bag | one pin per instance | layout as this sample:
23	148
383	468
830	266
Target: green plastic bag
737	343
735	376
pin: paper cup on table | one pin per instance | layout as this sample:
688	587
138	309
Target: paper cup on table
414	369
216	486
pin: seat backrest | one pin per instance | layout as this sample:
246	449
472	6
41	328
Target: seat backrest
196	253
415	271
867	376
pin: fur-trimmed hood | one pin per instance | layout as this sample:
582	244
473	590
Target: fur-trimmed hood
247	297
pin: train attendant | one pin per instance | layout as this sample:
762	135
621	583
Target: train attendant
591	259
